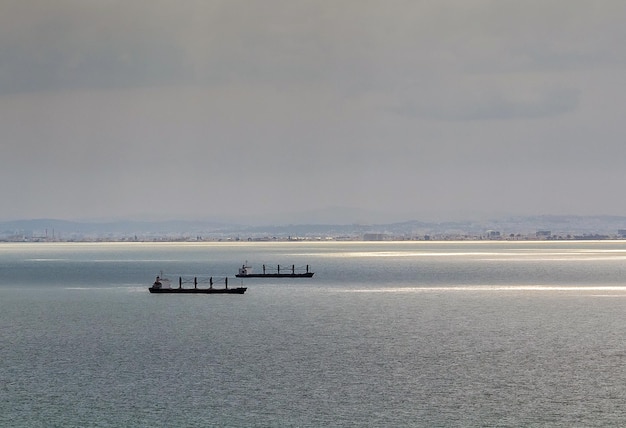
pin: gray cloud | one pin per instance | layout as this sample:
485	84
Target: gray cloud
122	44
487	100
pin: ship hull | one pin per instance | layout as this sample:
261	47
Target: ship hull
275	275
238	290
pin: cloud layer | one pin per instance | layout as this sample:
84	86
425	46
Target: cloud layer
208	108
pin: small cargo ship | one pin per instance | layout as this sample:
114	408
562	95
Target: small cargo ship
245	271
163	285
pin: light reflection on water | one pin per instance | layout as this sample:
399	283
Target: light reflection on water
485	289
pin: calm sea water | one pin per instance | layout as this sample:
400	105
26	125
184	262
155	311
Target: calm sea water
430	334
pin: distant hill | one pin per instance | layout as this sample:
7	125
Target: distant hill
116	227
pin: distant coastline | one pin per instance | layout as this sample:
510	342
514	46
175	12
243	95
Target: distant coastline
511	228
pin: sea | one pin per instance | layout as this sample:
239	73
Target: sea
385	334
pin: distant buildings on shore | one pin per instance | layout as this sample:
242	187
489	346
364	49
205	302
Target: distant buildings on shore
489	235
508	229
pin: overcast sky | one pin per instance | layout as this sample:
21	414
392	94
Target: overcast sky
216	109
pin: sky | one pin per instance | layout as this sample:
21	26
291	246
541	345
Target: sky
277	110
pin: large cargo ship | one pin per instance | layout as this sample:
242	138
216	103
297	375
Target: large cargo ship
245	271
163	285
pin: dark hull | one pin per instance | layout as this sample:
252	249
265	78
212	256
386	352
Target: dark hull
275	275
238	290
